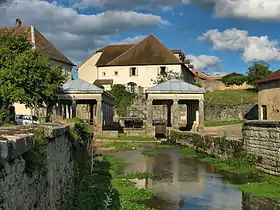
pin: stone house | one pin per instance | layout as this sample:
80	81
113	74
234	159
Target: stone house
269	97
135	66
41	43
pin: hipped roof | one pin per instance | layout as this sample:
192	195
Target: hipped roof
150	51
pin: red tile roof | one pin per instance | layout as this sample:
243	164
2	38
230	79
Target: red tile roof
200	74
41	43
271	77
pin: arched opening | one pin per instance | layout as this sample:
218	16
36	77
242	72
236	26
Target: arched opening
132	87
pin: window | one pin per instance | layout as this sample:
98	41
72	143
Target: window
104	74
163	70
116	73
133	71
264	112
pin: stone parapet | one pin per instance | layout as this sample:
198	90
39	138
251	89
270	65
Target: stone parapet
262	139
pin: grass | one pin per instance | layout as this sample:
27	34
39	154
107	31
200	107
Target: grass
121	146
164	146
213	124
149	153
129	138
231	97
130	196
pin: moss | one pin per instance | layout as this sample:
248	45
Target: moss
213	124
35	158
149	153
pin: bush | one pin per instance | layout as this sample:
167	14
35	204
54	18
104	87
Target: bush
235	80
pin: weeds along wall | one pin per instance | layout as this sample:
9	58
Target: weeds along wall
216	146
38	167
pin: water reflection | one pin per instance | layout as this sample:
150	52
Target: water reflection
187	185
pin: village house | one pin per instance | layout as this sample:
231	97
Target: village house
39	42
135	66
269	97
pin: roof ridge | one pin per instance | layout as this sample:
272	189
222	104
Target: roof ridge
129	49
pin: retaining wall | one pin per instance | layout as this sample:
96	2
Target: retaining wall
43	188
216	146
262	138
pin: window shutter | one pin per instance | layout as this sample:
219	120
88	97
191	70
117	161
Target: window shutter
136	71
130	70
158	71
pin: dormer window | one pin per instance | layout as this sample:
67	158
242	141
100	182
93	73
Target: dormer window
133	71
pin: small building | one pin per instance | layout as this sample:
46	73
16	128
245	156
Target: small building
134	65
79	92
182	105
269	97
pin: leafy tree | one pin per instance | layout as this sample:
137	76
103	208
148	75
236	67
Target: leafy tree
166	75
234	79
27	76
124	98
257	71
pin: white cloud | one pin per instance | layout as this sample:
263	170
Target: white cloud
245	9
131	40
76	35
252	47
204	61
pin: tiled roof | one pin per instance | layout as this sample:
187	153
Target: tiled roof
175	86
149	51
200	74
111	52
41	43
271	77
81	86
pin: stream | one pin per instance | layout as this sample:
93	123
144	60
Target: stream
182	184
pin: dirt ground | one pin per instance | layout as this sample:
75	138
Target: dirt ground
226	130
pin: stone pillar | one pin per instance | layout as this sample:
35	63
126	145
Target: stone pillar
175	113
99	113
201	113
64	110
74	109
150	113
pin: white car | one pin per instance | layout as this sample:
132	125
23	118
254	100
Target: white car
22	119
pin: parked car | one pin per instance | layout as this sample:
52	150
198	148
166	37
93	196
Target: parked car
22	119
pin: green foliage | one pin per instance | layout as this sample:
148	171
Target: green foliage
232	122
149	153
81	132
235	80
26	75
259	70
223	144
167	75
35	158
123	98
137	175
231	97
120	146
129	138
129	194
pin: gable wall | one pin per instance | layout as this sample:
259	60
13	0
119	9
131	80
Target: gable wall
88	70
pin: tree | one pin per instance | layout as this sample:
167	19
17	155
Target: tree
234	79
257	71
124	98
166	75
26	75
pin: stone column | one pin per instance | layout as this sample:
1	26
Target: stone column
150	113
64	110
201	113
175	113
99	113
74	109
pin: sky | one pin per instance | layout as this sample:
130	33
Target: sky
218	36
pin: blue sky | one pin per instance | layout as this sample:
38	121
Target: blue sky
232	33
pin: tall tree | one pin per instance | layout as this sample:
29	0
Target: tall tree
257	71
26	75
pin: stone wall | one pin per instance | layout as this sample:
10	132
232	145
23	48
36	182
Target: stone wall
250	202
40	189
262	138
217	113
211	85
216	146
149	131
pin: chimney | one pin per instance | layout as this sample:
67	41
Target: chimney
18	22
